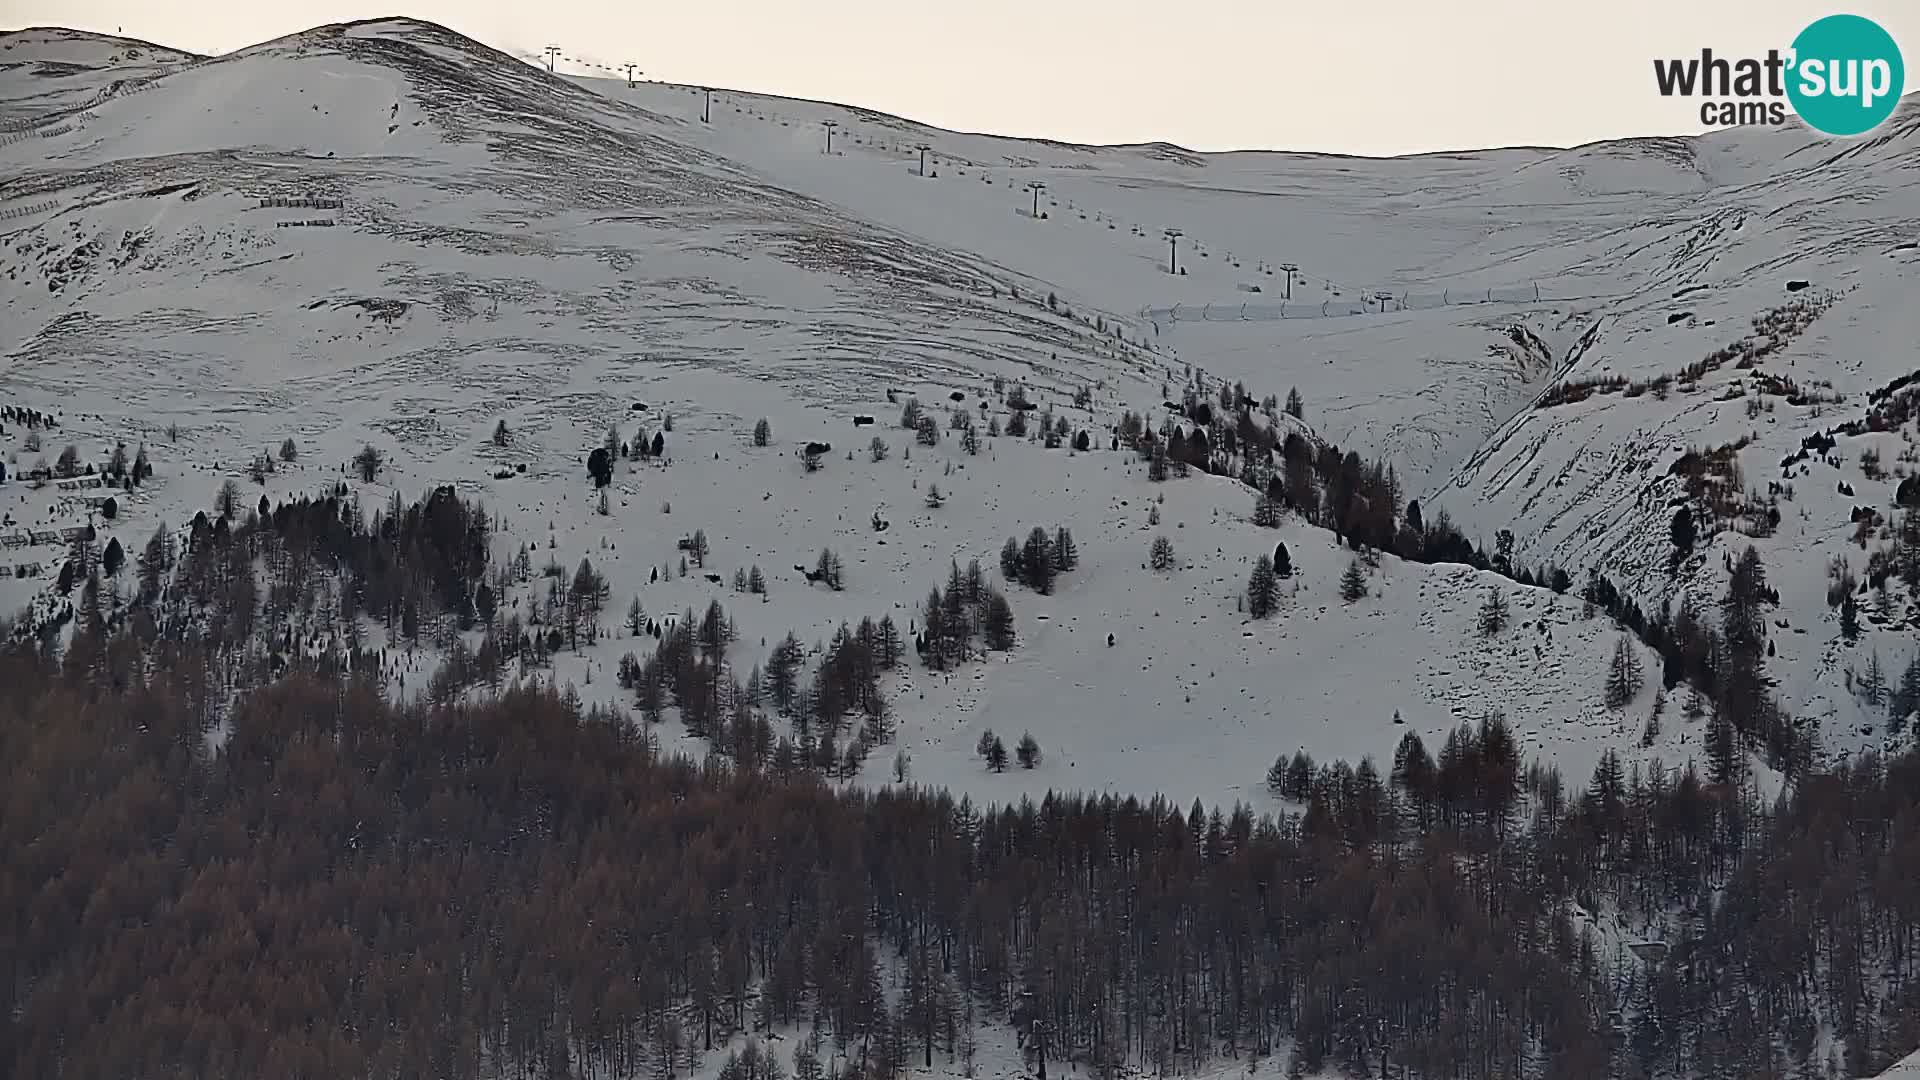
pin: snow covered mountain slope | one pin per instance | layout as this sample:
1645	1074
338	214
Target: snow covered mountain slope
383	232
1647	256
1416	384
1603	235
1770	315
46	73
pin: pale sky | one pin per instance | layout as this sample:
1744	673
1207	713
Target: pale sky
1354	76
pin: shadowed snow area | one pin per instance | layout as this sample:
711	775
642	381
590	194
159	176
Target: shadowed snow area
385	232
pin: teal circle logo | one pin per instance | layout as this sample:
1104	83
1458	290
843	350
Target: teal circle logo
1847	75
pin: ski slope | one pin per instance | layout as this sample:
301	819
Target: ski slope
383	232
1648	256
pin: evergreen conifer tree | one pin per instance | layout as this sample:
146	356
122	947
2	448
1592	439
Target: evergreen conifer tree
1493	613
1263	589
1353	583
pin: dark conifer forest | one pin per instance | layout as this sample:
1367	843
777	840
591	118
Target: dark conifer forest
223	853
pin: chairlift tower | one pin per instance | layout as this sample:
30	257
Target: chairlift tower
829	125
1173	247
923	148
1036	187
1290	268
552	53
630	68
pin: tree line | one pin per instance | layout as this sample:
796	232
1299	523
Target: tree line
1722	661
505	882
518	884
